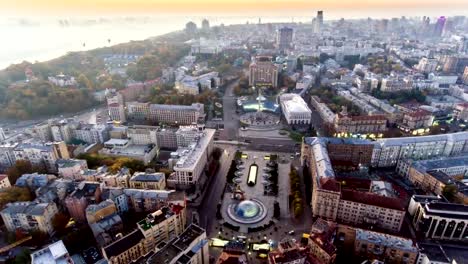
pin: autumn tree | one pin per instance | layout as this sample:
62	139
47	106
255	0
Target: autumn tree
14	194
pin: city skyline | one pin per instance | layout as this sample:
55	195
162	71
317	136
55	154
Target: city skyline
210	7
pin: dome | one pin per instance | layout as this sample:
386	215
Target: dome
247	209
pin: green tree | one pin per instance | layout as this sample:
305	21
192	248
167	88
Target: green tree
23	257
83	81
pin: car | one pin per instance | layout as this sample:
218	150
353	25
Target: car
292	232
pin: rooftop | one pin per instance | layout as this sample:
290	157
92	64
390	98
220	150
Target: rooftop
147	177
193	107
155	218
85	189
386	240
433	164
372	199
189	157
293	103
67	163
118	247
434	252
53	253
322	234
26	208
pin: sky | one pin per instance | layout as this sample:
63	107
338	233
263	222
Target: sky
119	7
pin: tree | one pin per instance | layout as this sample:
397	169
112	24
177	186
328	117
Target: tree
60	221
14	194
23	257
21	167
450	192
83	81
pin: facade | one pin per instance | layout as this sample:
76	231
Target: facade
55	253
143	135
42	132
116	107
7	155
29	216
436	219
71	168
137	111
465	76
284	38
92	134
384	247
345	123
42	154
288	252
321	241
388	152
263	72
427	65
393	84
148	181
189	163
295	109
326	114
416	119
4	182
177	114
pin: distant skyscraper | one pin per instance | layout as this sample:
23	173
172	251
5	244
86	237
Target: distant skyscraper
205	24
439	26
284	38
190	28
2	135
318	25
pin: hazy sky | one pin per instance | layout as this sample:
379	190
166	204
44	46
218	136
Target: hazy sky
110	7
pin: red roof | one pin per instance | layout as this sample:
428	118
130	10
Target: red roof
329	185
3	176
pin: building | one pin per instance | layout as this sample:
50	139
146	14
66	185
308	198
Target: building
295	109
288	252
42	154
362	124
453	166
161	226
104	221
124	148
187	84
116	107
395	83
326	114
71	168
332	201
87	193
263	72
63	80
189	247
177	114
439	26
55	253
416	119
190	28
205	24
35	180
29	216
7	156
284	38
436	219
465	76
460	112
2	135
186	135
427	65
319	22
92	134
321	241
148	181
384	247
137	111
189	163
143	135
389	151
42	132
4	182
441	253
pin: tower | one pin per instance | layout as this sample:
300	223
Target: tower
439	26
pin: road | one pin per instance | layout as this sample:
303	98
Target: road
230	118
207	209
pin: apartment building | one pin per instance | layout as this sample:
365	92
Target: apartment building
92	134
162	225
362	124
189	163
55	253
29	216
4	182
148	181
327	115
71	168
35	180
7	155
460	112
86	194
42	154
436	219
116	106
321	241
263	72
416	119
389	151
452	166
125	148
186	135
395	83
177	114
143	135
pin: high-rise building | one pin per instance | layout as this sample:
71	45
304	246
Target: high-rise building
2	135
205	24
439	26
318	25
465	76
284	38
263	72
190	28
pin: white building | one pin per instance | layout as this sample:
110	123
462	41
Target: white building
4	182
2	135
426	65
387	152
116	106
55	253
92	133
305	82
186	135
443	79
295	109
393	84
42	154
7	156
137	111
63	80
141	135
189	162
177	114
29	216
187	84
71	168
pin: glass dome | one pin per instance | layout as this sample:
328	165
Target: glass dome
247	209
